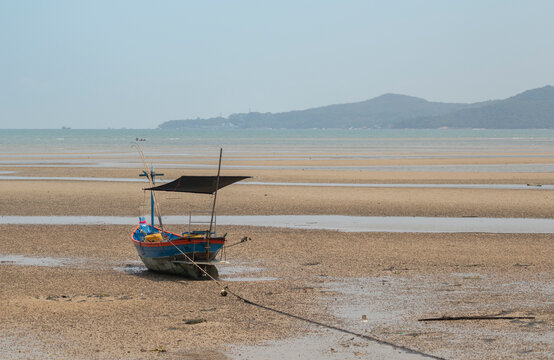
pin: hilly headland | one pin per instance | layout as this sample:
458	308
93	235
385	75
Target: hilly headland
531	109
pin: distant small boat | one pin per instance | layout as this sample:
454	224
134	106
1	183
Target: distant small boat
182	254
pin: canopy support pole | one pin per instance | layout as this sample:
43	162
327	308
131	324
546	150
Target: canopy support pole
215	192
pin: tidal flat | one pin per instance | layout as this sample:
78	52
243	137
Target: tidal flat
79	291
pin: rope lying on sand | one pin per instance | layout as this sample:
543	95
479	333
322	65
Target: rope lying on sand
332	327
225	290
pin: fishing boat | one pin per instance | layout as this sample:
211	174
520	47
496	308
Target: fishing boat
193	253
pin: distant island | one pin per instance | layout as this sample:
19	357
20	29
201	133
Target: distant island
532	109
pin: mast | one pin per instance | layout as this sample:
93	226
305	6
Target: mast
152	176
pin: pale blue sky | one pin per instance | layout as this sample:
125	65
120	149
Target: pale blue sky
136	64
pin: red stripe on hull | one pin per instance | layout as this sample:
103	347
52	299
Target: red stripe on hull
176	242
180	242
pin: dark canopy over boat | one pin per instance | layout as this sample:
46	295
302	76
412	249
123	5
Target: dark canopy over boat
199	184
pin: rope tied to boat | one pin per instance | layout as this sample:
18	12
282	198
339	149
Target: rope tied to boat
243	240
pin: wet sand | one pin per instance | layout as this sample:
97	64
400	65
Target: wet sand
128	199
99	302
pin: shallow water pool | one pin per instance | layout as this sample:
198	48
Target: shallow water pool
343	223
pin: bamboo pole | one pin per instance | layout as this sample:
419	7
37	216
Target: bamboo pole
215	192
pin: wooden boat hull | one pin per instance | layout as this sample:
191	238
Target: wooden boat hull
170	266
168	256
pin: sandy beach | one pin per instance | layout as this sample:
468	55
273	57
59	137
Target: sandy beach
81	292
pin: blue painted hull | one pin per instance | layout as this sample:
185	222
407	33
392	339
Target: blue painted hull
173	254
197	250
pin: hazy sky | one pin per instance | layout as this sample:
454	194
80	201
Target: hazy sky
136	64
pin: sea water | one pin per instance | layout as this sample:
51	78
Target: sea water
179	142
199	148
